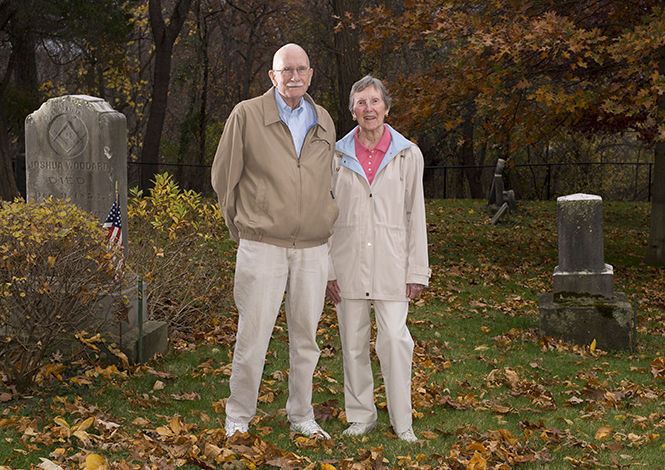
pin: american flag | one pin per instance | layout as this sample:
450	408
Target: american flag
114	225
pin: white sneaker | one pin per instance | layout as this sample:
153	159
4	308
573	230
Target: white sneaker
231	427
408	435
358	429
310	429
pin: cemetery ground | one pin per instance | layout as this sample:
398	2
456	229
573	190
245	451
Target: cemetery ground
488	391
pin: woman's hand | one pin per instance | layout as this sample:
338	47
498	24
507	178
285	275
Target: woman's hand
332	291
412	290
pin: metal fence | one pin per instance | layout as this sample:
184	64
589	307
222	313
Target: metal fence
617	181
187	175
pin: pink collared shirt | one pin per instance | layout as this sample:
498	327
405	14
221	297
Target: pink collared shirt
371	159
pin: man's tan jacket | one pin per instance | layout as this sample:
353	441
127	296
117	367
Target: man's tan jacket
266	193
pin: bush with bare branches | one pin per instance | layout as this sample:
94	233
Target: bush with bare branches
56	278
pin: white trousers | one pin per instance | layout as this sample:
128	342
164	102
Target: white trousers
394	346
263	273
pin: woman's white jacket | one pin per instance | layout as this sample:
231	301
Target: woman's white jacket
379	242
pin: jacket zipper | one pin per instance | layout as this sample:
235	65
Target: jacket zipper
373	247
297	230
295	234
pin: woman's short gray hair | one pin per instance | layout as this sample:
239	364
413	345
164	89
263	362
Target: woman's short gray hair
368	81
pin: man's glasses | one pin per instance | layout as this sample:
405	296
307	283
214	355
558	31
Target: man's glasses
289	71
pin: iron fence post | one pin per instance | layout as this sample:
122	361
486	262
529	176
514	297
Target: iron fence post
649	182
445	180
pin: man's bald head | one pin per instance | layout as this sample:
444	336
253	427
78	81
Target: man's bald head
291	73
286	50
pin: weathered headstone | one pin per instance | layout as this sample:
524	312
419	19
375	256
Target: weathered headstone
582	269
76	149
583	305
500	201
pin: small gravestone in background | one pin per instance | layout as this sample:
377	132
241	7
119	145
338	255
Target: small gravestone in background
583	305
76	148
500	202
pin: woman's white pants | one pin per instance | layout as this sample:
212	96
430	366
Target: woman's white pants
394	346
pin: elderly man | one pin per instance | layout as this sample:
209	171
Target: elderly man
272	176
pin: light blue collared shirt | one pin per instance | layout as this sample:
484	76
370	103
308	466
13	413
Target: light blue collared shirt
299	120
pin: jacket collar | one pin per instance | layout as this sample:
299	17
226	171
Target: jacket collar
347	146
271	113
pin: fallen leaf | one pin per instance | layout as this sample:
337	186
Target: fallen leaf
48	464
95	462
140	422
603	432
84	425
107	424
83	436
159	385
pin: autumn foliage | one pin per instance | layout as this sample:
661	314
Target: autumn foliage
523	72
55	271
177	242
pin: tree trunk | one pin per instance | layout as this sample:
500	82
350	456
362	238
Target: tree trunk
22	72
8	187
164	37
656	247
467	154
203	108
347	56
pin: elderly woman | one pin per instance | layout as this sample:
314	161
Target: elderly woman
378	254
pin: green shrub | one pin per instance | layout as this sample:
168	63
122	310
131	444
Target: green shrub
176	241
55	270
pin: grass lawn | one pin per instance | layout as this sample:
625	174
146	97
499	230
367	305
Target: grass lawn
488	391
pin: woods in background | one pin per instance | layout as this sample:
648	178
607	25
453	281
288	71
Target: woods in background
527	81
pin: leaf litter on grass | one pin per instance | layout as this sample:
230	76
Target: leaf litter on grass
488	391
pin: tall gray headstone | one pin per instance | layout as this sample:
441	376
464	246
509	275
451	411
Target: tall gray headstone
76	148
582	269
583	305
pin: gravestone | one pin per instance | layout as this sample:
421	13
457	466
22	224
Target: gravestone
76	149
583	305
500	201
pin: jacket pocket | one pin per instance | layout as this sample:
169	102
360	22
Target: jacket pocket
323	143
348	198
390	259
261	199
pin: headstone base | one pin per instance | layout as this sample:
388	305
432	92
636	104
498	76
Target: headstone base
128	298
585	282
583	319
154	341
